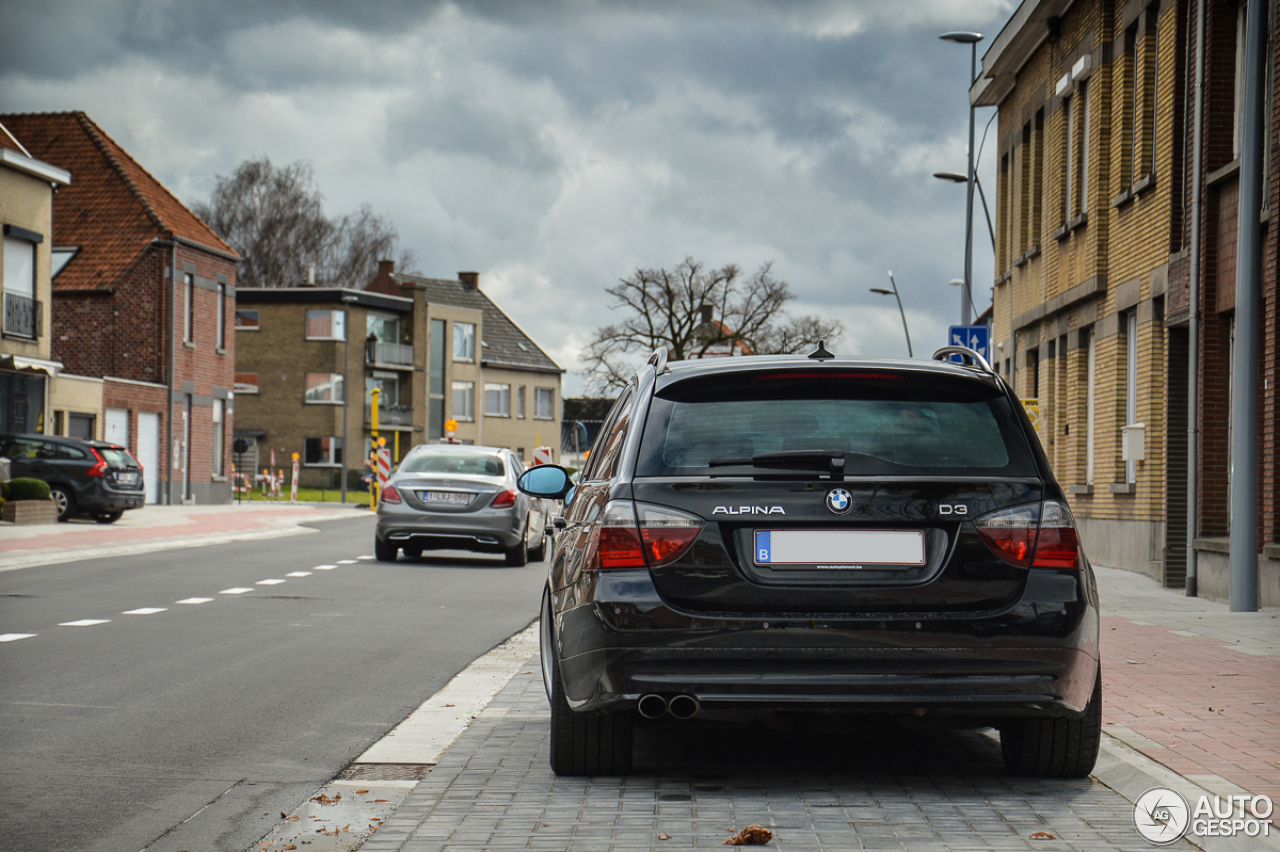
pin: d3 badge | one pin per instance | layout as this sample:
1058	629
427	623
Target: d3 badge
839	500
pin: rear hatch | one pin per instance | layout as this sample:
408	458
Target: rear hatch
122	469
836	490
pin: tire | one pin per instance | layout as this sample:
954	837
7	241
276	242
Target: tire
107	517
539	553
65	501
384	551
412	552
1055	748
518	556
587	745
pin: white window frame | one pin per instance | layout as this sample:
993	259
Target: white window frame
1131	385
539	394
335	383
497	399
337	324
520	399
464	341
462	397
333	456
219	406
257	319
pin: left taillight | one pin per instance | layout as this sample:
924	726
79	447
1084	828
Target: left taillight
666	533
1032	536
390	494
100	467
504	500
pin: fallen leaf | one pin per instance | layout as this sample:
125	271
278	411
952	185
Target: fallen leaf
450	705
292	846
752	835
1043	835
381	801
664	836
293	817
362	791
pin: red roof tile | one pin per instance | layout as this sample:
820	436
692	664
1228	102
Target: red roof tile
7	141
113	208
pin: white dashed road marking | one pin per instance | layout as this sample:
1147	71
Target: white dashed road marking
85	622
325	567
235	591
146	610
268	582
194	600
14	637
365	558
298	574
346	562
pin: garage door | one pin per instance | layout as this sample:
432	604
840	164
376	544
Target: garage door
117	431
149	453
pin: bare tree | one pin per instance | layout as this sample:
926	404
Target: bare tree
274	217
694	311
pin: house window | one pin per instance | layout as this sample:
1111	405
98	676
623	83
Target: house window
1082	106
1090	408
324	388
188	306
464	341
435	381
322	452
218	405
1037	177
222	317
1129	322
326	325
464	400
21	311
544	400
520	401
81	426
497	400
246	383
1241	73
1069	156
246	320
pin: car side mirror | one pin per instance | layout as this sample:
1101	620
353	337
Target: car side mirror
545	480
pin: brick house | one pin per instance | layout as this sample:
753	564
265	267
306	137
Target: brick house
436	350
1093	241
143	297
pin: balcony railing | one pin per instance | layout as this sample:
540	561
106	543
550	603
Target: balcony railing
21	316
389	415
393	354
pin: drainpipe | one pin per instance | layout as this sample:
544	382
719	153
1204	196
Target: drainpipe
172	245
1244	382
1193	320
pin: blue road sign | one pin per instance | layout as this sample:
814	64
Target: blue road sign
976	337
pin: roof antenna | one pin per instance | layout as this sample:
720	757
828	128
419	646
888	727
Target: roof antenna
821	353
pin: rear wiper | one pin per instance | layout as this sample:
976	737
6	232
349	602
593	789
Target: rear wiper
828	461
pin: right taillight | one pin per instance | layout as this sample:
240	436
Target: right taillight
1036	535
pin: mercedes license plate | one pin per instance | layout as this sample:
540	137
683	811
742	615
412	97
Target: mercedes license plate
839	549
455	498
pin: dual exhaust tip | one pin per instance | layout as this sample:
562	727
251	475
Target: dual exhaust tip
653	706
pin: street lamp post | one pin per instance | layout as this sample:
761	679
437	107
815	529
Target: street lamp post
956	177
894	293
966	299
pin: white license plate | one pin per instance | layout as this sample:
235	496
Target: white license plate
454	498
127	477
839	549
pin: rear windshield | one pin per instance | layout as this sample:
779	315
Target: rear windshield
885	423
478	464
117	458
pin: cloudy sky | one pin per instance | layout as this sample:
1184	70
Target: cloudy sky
556	145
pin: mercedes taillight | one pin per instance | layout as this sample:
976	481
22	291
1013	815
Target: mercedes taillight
1032	536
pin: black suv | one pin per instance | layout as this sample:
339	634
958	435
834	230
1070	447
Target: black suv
819	534
93	477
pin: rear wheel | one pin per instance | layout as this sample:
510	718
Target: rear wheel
519	555
412	552
539	553
64	500
587	745
1055	748
107	517
384	551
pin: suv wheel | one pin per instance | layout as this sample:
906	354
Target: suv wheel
587	745
1055	748
384	551
64	500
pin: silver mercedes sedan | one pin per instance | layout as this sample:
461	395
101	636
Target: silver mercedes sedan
457	497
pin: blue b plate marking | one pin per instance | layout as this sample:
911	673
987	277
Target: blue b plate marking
763	548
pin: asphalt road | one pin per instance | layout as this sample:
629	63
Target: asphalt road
194	727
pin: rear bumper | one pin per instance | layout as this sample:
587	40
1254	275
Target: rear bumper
104	499
1038	657
490	532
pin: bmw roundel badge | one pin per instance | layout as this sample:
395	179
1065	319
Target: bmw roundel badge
839	501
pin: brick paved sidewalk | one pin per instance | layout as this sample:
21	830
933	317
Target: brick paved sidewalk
1192	685
160	527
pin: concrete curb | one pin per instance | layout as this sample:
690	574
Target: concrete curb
1131	773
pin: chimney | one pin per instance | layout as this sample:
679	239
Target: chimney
382	282
706	313
470	280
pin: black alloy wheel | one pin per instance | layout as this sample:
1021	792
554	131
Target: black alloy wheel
64	500
1055	748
